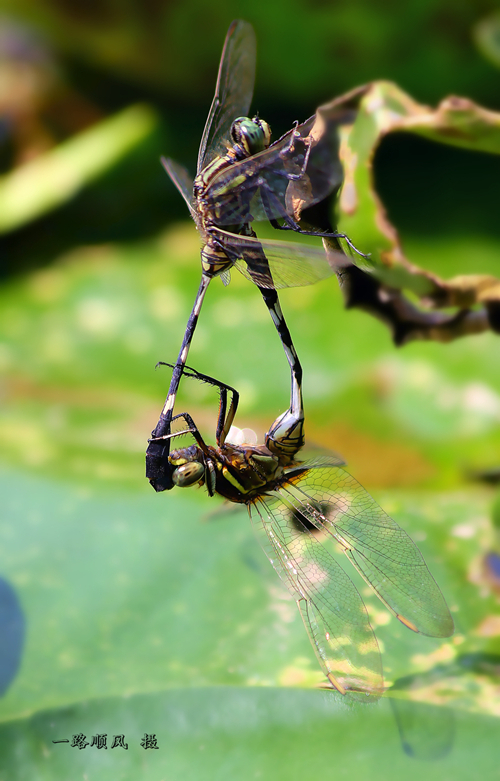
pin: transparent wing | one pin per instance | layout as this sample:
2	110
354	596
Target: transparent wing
385	556
314	461
279	264
331	607
183	182
299	170
233	92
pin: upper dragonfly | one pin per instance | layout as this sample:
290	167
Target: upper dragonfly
241	178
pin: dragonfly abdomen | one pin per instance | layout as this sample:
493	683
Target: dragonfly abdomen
214	260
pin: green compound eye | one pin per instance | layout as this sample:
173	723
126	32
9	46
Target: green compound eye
188	474
254	135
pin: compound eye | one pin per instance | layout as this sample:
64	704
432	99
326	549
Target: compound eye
265	130
252	135
188	474
237	131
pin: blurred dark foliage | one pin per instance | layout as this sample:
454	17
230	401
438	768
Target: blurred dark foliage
64	65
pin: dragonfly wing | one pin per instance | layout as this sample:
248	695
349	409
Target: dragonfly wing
331	607
183	182
299	170
279	264
233	92
382	552
316	462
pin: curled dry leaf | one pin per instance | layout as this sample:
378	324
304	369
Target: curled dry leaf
378	286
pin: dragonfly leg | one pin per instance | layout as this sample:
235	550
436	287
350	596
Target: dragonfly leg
226	416
158	469
286	435
272	205
193	428
294	137
291	225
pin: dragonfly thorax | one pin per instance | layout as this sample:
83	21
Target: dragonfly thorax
250	136
238	473
245	471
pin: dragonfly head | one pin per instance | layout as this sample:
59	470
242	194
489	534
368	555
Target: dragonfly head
188	466
250	136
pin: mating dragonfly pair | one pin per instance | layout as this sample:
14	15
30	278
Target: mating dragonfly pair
241	177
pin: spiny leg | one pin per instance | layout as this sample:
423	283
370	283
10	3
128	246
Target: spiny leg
226	416
192	429
272	204
291	225
286	435
158	469
182	471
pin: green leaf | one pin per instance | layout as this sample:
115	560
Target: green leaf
383	108
43	184
219	733
135	593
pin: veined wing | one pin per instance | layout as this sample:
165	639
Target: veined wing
331	607
314	461
183	182
299	170
278	264
233	92
384	554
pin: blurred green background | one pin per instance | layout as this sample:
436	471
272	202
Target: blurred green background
145	613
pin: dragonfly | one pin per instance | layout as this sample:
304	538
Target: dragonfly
294	506
242	177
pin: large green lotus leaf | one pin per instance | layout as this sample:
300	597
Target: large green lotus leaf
130	594
129	598
223	733
127	592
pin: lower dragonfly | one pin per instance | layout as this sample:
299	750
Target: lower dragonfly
292	505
